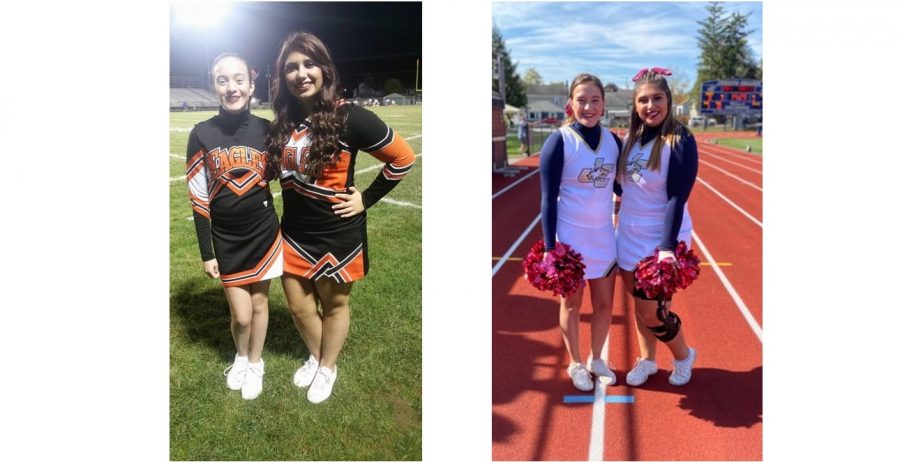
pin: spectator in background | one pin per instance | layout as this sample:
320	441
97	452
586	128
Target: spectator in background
523	136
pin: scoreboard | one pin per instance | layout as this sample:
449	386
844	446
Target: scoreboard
731	97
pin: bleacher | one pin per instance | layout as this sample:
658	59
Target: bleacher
191	94
192	99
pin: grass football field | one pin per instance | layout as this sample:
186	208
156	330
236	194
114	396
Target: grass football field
375	410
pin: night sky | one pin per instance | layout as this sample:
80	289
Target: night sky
374	39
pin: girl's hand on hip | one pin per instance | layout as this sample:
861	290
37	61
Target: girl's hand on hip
352	205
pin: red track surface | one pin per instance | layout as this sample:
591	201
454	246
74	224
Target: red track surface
717	416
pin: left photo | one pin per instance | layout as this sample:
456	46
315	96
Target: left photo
295	231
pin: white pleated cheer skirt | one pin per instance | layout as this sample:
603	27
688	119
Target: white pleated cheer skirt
634	242
596	245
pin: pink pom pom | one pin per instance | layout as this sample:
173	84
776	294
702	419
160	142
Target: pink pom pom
562	272
661	279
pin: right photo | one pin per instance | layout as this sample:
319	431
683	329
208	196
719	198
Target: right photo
627	152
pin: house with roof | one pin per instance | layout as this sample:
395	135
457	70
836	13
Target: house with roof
395	98
550	101
619	103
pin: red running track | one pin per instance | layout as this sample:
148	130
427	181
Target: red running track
717	416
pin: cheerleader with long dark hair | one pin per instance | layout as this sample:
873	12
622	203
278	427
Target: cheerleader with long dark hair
313	141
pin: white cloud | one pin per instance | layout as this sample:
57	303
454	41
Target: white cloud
610	39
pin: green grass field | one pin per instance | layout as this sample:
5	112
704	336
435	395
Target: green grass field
756	144
375	411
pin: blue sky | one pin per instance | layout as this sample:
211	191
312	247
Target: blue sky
610	39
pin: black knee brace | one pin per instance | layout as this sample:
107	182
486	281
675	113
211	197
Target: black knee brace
670	327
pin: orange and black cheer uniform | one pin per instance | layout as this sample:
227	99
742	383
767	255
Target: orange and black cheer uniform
319	243
233	209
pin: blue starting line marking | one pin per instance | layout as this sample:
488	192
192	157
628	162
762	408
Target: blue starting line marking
572	399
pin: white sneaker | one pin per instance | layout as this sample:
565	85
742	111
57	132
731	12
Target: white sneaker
236	371
603	372
307	372
253	381
682	369
643	368
320	388
581	378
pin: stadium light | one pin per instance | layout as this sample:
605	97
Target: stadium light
202	16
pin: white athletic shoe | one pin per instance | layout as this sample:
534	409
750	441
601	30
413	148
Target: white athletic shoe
602	370
320	388
235	372
643	368
307	372
681	373
253	383
581	378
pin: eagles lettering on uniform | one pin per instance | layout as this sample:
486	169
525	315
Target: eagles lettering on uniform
314	197
234	214
319	242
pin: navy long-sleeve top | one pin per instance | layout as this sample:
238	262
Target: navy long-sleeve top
680	178
551	166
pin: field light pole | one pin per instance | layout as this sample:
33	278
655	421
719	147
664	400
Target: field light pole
202	16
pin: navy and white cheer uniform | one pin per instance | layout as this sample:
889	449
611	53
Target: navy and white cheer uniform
578	167
654	211
233	211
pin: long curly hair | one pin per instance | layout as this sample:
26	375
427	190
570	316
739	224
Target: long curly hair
669	130
327	118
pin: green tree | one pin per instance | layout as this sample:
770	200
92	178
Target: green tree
515	89
679	83
532	77
393	86
724	51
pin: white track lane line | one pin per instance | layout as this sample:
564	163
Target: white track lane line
744	212
172	180
731	162
727	284
720	149
515	245
513	185
732	175
598	413
172	154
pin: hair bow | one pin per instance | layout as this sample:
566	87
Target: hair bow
655	70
